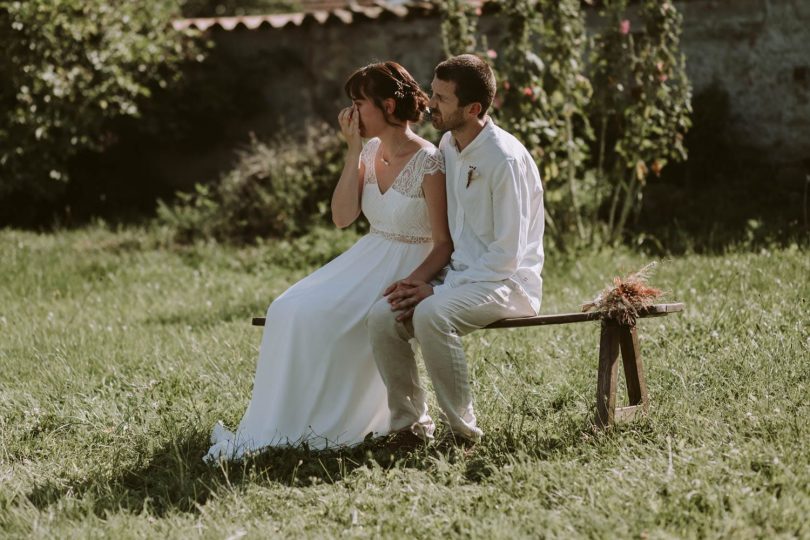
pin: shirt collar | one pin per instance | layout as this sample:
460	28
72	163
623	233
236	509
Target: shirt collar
486	132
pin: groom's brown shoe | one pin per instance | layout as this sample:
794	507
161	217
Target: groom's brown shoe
405	439
449	440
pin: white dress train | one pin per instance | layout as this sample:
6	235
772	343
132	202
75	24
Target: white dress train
316	380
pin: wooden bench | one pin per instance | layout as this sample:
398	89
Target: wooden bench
614	339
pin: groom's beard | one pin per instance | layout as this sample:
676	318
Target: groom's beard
449	123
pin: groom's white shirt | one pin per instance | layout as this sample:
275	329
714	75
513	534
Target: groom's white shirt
497	222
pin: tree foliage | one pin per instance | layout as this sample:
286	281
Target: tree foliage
69	67
556	81
545	95
458	27
643	105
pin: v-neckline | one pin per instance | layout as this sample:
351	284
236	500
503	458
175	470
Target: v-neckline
396	178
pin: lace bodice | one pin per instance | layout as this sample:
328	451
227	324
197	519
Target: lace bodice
400	213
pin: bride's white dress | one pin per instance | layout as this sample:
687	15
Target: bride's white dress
316	381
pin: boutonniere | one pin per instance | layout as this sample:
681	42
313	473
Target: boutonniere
472	174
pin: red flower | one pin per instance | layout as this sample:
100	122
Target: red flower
492	53
506	85
624	27
528	92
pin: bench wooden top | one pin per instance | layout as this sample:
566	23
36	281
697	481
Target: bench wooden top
656	310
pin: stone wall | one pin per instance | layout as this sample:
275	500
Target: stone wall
758	51
319	58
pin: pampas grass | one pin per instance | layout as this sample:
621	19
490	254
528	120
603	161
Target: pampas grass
629	295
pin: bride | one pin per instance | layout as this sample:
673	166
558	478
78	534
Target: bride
316	382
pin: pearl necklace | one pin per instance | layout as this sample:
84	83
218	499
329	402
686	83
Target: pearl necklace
387	162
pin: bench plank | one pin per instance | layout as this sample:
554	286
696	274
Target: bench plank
656	310
627	414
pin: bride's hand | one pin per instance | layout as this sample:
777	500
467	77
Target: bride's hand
407	295
393	287
349	119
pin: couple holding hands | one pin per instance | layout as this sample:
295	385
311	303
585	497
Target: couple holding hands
455	244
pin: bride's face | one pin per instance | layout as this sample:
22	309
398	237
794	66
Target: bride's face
372	118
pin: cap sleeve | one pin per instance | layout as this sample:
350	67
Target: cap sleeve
434	162
369	151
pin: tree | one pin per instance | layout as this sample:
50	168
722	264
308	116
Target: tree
67	68
545	94
643	106
556	81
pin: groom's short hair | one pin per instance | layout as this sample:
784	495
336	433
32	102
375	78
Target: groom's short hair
475	81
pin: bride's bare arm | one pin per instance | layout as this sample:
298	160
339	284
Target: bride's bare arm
349	189
405	294
433	186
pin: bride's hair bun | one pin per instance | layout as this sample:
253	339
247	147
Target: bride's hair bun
389	80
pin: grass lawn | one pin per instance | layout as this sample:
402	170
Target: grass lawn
118	355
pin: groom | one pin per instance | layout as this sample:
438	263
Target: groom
495	212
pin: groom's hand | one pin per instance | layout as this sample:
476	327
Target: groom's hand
406	296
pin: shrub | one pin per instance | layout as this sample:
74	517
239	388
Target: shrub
312	250
556	81
544	99
458	27
643	104
68	67
276	189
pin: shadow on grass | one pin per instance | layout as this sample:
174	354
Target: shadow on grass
205	316
555	430
173	478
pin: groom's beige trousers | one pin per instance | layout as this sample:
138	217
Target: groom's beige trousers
438	324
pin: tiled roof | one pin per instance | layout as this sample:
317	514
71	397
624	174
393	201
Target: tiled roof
343	11
319	12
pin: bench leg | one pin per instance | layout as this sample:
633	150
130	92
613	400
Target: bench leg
633	367
615	339
606	378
